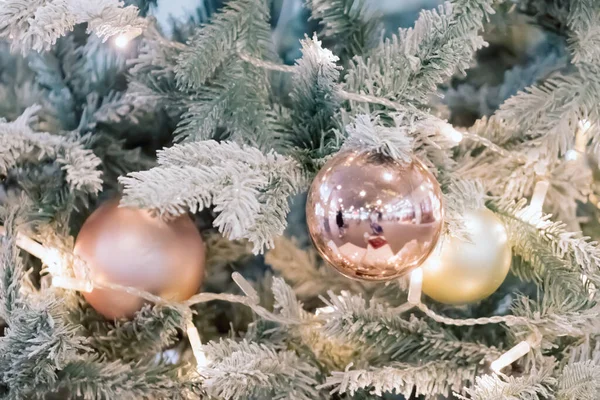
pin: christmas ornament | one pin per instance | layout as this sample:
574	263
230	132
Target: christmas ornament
459	271
374	218
128	246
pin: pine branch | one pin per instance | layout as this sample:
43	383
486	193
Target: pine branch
408	67
227	92
367	134
93	379
153	329
559	104
429	379
250	190
315	101
36	345
36	25
309	277
21	143
240	25
241	370
375	326
352	26
579	380
537	385
584	23
547	244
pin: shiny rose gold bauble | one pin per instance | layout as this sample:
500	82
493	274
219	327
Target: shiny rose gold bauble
129	247
373	218
462	272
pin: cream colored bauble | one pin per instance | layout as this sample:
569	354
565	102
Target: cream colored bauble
461	272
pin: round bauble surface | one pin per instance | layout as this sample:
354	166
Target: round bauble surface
128	246
462	272
374	218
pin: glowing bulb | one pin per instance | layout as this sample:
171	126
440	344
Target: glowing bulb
452	133
196	344
324	310
584	125
121	41
362	193
511	356
571	155
539	195
415	287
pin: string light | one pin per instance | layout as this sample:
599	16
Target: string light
539	196
511	356
196	344
571	155
123	39
450	132
415	286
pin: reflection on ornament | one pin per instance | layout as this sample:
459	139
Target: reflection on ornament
129	247
460	272
373	218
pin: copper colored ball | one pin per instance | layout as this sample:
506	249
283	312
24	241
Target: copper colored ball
374	218
128	246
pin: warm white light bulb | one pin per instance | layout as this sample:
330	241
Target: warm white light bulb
452	133
511	356
121	41
196	344
416	286
571	155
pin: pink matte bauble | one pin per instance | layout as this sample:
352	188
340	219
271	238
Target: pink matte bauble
128	246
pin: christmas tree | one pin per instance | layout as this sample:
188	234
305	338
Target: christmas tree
450	155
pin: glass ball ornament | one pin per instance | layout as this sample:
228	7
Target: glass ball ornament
130	247
460	271
374	218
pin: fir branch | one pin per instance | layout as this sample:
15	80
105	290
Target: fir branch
36	345
235	99
315	101
240	25
461	196
93	379
547	244
406	340
367	134
227	92
408	67
153	329
309	276
429	379
537	385
36	25
241	370
20	143
584	22
579	380
559	104
352	26
250	190
11	269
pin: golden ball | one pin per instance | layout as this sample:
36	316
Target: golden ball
463	272
374	218
128	246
